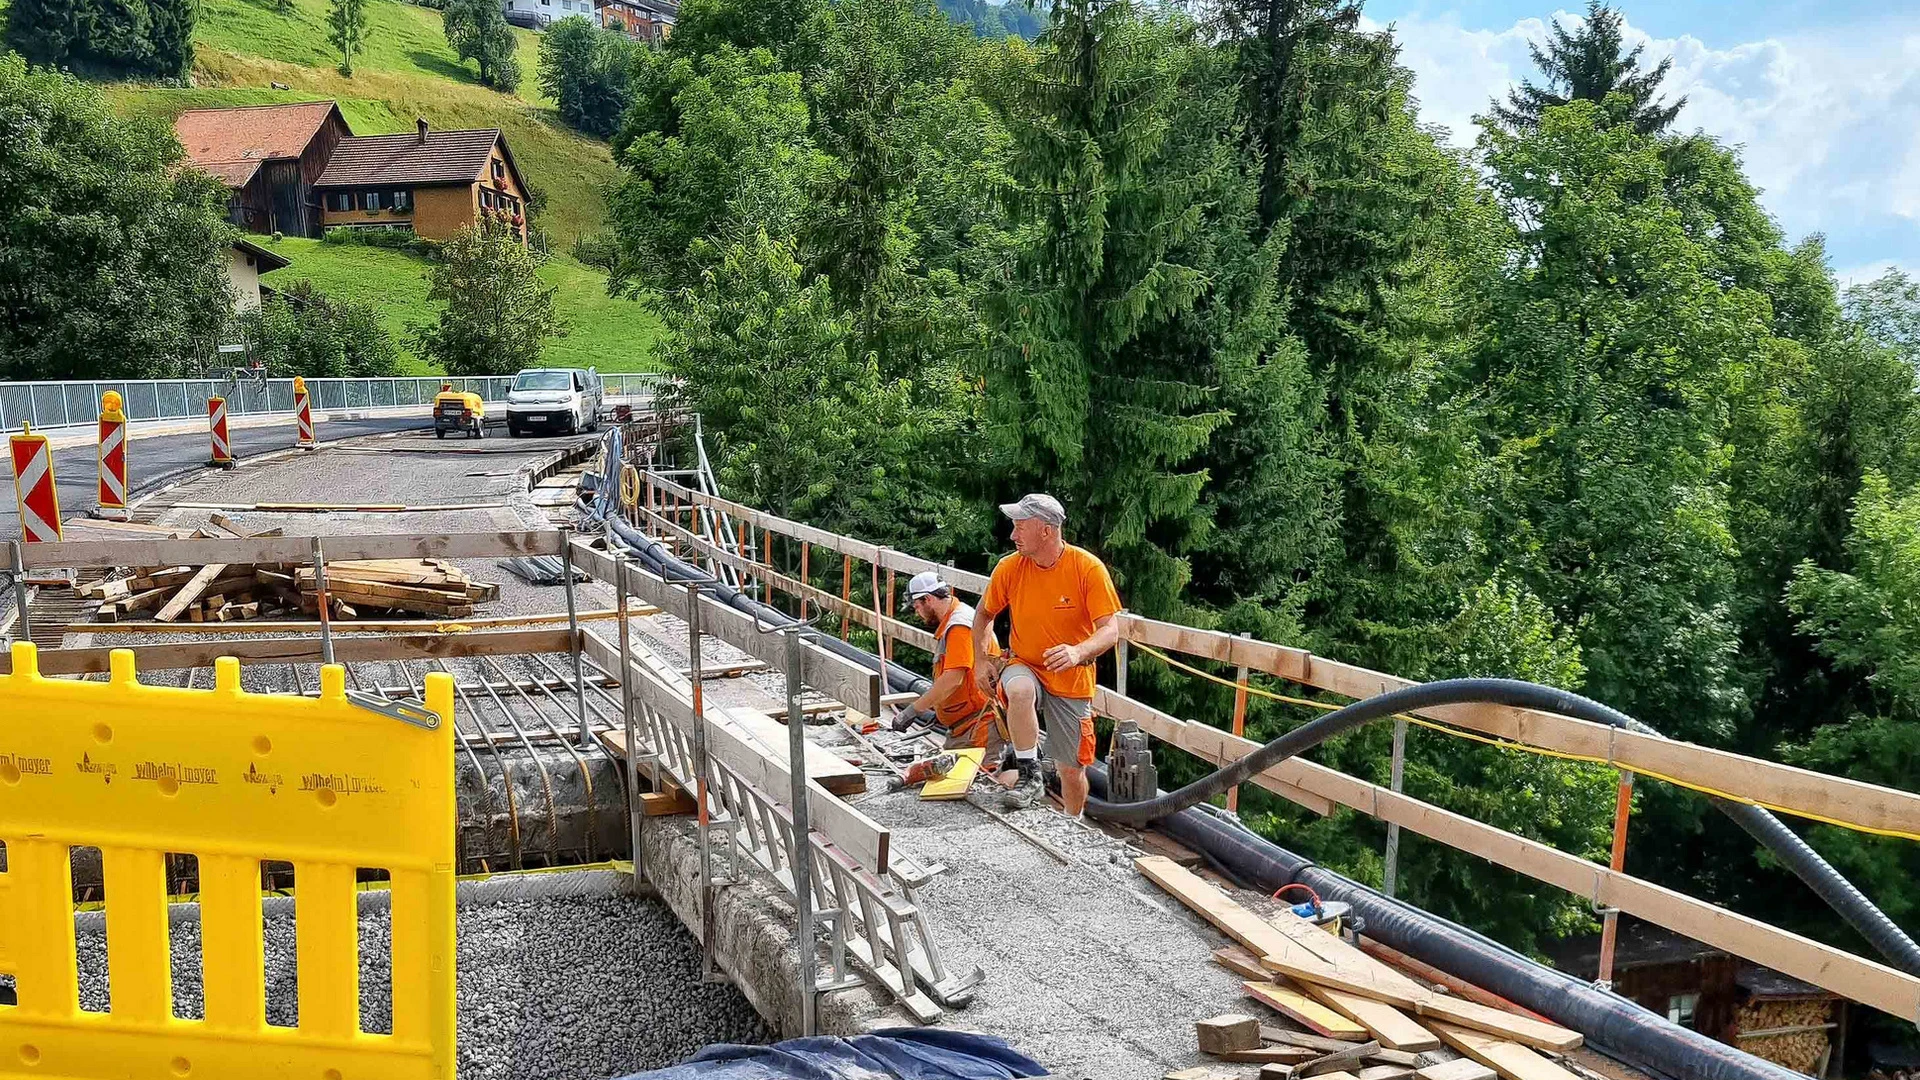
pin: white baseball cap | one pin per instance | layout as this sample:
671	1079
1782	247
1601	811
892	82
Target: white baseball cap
926	583
1037	505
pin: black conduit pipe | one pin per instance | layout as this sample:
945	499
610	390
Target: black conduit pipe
1612	1024
1828	883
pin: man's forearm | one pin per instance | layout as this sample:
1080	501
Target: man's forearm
1105	636
982	634
943	688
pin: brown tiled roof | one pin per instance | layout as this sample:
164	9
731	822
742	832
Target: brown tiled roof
231	143
444	157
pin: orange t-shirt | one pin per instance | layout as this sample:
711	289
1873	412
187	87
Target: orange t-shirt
1054	605
956	652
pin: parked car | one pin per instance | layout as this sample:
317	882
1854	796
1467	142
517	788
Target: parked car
556	399
457	411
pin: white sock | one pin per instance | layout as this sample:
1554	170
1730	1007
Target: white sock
1027	755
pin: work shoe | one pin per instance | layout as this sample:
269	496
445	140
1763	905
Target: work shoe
1027	790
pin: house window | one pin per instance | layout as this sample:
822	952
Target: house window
339	200
1680	1008
369	200
486	198
403	200
499	169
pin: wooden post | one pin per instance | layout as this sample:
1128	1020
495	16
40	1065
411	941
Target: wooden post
891	613
766	544
1609	925
846	591
805	549
1239	726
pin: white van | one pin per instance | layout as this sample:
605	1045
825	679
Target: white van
555	399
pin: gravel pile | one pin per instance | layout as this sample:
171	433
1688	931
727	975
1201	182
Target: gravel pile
563	988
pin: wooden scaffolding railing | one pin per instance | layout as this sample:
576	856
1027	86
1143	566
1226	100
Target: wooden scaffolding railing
665	505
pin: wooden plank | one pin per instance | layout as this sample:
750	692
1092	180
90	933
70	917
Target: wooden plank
379	626
1302	1009
1511	1060
304	650
1455	985
1337	1060
1269	1055
666	803
1241	963
1302	1039
139	551
824	767
1458	1069
1393	1028
191	591
1385	1072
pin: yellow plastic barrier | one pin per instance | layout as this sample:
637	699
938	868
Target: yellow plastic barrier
233	778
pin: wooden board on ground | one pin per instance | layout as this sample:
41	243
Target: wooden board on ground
1349	1058
1457	1069
1385	1072
1302	1009
1269	1055
1340	966
1511	1060
1395	1029
824	767
954	785
1302	1039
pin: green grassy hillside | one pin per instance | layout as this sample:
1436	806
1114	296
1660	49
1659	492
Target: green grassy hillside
406	70
610	334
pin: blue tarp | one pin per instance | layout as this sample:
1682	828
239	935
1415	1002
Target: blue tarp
899	1053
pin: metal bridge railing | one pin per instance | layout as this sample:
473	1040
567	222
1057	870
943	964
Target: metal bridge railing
73	404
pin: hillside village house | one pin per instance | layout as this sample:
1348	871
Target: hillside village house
432	182
299	170
246	261
648	20
268	156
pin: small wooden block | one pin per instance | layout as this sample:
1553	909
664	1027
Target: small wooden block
1395	1057
1227	1033
1201	1072
1384	1072
1337	1061
666	803
1303	1009
1457	1069
1332	1075
1276	1072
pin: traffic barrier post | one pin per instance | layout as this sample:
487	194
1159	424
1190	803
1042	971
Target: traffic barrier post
33	487
217	433
335	785
112	496
303	411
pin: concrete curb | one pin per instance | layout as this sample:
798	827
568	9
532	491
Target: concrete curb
67	438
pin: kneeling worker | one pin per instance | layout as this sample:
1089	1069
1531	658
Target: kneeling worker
1062	604
954	700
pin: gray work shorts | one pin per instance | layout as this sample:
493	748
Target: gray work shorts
1068	722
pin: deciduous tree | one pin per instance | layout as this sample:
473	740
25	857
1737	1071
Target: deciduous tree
347	20
497	314
478	31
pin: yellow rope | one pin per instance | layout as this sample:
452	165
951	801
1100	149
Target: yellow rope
1506	744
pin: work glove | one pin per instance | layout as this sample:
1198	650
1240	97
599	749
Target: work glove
906	717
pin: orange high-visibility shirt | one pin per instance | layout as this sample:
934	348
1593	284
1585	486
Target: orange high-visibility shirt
1054	605
953	650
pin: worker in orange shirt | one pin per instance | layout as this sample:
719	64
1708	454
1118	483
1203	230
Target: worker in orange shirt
954	700
1062	604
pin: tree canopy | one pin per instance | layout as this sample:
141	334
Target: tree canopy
1591	63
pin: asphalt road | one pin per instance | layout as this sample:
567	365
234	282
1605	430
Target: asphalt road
161	459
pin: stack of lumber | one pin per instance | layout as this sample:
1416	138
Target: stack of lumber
1790	1032
1314	978
222	592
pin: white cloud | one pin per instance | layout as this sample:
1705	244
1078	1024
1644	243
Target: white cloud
1828	122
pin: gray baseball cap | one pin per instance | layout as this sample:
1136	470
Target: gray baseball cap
1037	505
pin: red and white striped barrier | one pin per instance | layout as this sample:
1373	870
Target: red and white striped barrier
33	487
217	431
303	410
113	456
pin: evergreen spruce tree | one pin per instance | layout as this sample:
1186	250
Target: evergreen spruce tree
170	33
1588	64
43	31
1102	371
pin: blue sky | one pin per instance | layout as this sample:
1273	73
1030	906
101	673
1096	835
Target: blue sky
1822	99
